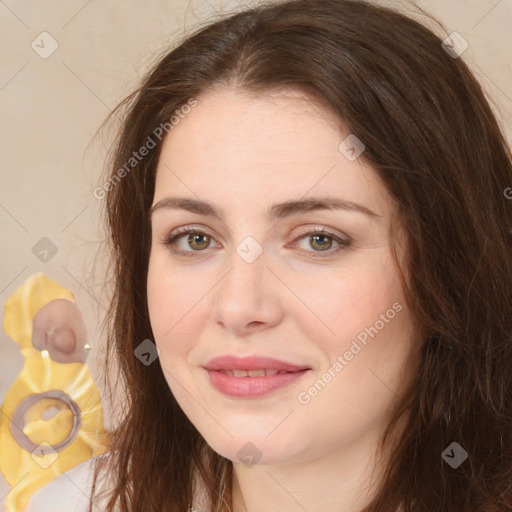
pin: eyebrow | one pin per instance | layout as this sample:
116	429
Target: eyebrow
276	211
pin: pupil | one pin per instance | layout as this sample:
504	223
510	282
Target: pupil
316	237
196	238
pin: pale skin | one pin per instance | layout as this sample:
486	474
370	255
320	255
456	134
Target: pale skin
295	302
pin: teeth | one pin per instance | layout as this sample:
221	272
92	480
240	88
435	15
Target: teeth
256	373
252	373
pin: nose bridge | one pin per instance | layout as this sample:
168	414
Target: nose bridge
246	293
246	277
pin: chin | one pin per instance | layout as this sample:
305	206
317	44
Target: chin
256	449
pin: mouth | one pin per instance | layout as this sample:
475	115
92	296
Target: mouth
253	373
252	377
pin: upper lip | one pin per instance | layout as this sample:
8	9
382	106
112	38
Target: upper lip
230	362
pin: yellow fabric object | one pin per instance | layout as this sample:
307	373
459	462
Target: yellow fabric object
54	408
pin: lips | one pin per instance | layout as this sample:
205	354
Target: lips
251	377
232	363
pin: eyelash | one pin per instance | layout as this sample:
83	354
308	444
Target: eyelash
172	239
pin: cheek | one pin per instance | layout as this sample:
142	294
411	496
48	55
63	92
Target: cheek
173	308
159	305
163	304
167	295
345	303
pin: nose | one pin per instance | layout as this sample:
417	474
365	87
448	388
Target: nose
249	297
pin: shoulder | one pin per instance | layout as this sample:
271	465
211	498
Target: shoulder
69	491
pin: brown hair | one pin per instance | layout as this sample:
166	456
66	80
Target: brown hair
432	137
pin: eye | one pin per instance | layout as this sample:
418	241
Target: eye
196	238
320	239
199	241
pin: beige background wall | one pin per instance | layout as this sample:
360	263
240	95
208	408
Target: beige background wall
51	108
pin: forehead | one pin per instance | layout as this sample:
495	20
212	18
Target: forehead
287	124
239	148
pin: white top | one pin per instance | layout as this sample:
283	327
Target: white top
70	491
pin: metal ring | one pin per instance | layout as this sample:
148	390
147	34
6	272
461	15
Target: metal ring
18	421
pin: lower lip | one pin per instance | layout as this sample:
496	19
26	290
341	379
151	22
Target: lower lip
249	387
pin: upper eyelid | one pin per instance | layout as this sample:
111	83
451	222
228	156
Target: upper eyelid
182	230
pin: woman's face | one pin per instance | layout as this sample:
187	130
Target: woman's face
257	282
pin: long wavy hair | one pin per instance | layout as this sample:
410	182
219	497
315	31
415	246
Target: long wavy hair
431	135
